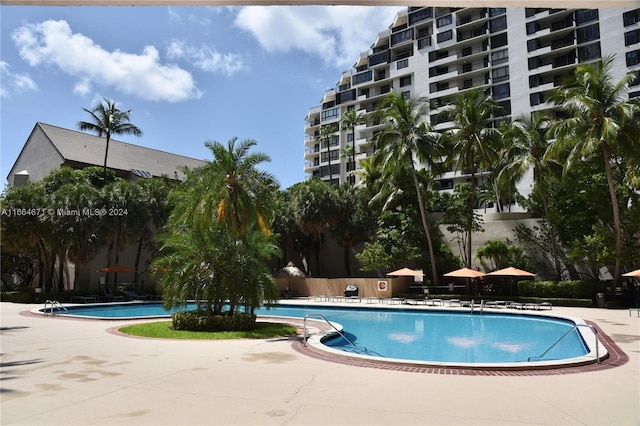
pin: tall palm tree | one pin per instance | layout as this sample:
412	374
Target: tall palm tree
598	111
405	139
108	120
527	145
472	138
324	138
350	120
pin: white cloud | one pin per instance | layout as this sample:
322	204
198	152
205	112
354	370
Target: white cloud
337	34
14	82
52	43
205	58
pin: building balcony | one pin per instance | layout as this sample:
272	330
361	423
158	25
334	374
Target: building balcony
467	20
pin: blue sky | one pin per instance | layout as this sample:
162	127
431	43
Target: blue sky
188	74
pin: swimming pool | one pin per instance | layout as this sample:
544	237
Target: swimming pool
436	337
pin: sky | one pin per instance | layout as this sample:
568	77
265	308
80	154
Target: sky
187	74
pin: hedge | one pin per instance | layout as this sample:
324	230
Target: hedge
570	289
199	321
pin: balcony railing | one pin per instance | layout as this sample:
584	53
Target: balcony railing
402	36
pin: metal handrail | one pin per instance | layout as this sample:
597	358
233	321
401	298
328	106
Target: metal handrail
304	324
53	304
595	331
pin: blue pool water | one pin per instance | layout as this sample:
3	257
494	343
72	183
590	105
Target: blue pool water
435	336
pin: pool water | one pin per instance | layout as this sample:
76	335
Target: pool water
421	335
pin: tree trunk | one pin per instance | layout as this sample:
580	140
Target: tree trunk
425	225
137	264
106	153
472	199
616	215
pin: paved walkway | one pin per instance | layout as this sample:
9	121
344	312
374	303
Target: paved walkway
58	371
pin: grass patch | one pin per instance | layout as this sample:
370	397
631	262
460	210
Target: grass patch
164	330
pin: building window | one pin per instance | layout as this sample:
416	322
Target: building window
587	53
434	71
504	108
592	32
532	45
532	28
330	114
633	58
631	37
495	11
634	95
498	24
424	42
406	95
501	91
405	81
445	20
402	64
535	99
500	74
499	57
636	80
438	54
499	40
586	15
437	87
631	17
447	35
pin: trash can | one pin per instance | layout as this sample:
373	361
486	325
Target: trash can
351	291
600	300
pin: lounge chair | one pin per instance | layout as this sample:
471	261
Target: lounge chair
131	293
109	296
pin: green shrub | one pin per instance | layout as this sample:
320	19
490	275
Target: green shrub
198	321
570	289
18	297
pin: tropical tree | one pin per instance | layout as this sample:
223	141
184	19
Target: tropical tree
354	220
313	202
218	238
350	119
327	133
234	192
405	139
525	153
107	120
597	112
473	139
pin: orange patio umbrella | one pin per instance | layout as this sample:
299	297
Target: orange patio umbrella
635	274
512	272
405	272
116	268
464	273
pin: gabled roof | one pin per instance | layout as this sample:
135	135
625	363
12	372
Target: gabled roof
88	149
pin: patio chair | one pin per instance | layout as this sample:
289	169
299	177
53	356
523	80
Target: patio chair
109	296
131	293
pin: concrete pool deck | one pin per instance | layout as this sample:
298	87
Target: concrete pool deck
58	371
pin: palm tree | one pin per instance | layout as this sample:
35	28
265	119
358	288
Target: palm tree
598	111
247	193
527	145
108	120
406	138
232	190
350	120
472	138
324	138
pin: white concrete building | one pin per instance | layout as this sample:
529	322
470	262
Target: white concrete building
517	54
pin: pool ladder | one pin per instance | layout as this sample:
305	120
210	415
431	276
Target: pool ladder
353	345
576	326
54	306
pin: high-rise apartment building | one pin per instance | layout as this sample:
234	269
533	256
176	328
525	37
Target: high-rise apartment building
519	55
